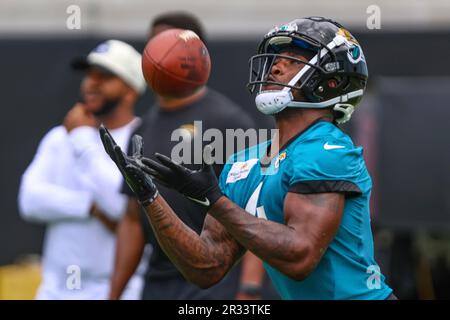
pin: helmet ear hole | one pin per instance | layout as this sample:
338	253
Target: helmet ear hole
332	83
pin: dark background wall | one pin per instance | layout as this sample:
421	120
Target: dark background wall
38	88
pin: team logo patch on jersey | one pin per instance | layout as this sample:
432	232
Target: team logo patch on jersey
280	158
240	170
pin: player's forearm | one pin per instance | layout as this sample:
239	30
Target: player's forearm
129	248
275	243
202	260
252	270
199	260
252	277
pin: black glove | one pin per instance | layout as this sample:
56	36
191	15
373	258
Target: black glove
200	186
140	182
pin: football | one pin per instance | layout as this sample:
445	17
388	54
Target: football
176	63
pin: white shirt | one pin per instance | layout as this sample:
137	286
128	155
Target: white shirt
69	173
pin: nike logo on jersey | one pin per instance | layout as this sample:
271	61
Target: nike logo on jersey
327	146
203	203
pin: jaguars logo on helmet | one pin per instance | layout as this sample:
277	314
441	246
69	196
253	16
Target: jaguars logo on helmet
335	77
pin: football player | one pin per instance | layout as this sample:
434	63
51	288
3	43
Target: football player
303	208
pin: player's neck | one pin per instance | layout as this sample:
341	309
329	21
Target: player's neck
120	117
292	121
170	104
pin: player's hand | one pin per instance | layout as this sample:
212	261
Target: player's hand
139	181
78	116
200	186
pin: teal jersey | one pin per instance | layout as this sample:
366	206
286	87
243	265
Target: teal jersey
322	158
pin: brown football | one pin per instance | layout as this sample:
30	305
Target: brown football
176	63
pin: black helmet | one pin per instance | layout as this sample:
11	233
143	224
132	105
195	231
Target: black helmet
334	77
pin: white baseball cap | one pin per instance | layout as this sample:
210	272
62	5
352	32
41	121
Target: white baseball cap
118	58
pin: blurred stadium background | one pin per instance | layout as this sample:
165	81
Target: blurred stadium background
402	122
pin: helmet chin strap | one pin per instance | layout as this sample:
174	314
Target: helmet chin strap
274	101
271	102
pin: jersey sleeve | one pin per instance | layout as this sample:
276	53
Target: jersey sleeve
326	165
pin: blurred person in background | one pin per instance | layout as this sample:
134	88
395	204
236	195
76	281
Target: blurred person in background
163	280
71	186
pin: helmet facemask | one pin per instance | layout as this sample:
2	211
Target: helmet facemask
273	50
322	81
261	68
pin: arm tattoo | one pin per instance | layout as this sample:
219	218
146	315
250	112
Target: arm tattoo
286	247
199	258
322	200
273	242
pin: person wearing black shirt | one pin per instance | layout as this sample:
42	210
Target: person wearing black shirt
163	280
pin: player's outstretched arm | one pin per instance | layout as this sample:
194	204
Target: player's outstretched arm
130	244
203	259
293	248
